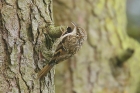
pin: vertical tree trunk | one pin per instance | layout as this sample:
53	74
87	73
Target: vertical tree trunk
23	24
104	64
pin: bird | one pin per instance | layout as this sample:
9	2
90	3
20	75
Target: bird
65	47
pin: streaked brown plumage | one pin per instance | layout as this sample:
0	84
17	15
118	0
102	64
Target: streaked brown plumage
65	47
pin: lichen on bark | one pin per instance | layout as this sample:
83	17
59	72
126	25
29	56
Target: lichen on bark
24	25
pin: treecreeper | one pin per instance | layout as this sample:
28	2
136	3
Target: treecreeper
66	46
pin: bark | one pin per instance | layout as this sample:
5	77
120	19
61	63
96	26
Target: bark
107	63
23	35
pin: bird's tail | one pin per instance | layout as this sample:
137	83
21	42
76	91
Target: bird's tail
44	71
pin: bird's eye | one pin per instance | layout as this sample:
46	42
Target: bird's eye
77	34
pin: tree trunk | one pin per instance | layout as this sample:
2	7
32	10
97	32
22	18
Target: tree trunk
23	26
106	62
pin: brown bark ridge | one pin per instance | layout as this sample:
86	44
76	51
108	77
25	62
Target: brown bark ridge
107	61
23	33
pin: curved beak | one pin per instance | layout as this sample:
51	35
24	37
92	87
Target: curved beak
73	24
75	27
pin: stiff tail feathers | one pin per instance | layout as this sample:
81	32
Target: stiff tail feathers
44	71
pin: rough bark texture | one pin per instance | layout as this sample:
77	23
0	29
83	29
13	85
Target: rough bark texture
108	61
22	27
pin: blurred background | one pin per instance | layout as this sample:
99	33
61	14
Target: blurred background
109	60
133	17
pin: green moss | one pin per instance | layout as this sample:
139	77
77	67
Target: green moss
56	32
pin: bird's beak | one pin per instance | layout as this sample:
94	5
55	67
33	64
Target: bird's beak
73	24
75	28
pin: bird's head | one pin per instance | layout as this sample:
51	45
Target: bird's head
79	32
